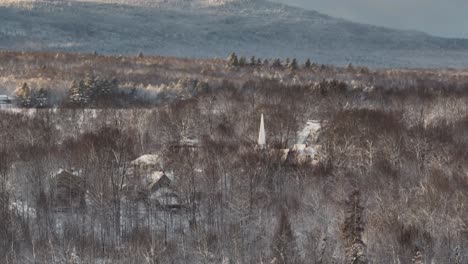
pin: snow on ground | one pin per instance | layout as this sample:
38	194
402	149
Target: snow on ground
22	208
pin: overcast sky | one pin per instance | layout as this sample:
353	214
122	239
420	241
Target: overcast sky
447	18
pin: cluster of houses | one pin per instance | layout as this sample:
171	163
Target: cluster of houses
146	183
305	151
149	183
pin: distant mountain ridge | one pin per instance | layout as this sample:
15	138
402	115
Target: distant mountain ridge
146	3
214	28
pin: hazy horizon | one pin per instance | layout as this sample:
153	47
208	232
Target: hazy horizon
439	18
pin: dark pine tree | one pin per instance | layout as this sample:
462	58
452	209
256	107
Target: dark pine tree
24	96
242	61
233	60
76	94
284	248
293	65
352	230
308	64
277	63
42	98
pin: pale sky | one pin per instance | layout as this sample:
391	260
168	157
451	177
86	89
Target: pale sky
447	18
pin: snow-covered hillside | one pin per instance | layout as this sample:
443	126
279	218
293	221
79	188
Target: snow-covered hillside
214	28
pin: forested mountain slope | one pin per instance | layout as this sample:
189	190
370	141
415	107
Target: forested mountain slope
208	28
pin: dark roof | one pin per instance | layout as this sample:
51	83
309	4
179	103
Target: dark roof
68	180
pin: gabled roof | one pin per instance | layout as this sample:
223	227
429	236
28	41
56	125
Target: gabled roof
148	159
311	129
67	179
155	178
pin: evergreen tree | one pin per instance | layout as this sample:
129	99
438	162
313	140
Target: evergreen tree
277	63
307	64
24	96
233	60
89	88
266	62
74	258
242	61
253	61
42	98
293	65
76	93
284	247
352	231
103	91
140	55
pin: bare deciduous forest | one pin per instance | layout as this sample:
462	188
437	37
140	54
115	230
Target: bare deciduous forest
156	160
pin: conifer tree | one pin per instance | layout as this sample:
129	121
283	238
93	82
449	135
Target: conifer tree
76	93
352	231
293	65
308	64
233	60
74	258
276	63
42	98
242	61
253	61
284	249
103	90
89	88
24	96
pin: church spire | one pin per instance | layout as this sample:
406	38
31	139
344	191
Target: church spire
261	133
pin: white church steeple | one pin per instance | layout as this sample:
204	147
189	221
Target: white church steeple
261	134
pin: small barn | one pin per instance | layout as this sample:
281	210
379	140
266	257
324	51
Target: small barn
148	180
68	191
306	150
161	190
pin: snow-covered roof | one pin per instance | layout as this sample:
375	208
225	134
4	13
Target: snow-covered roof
156	176
311	128
189	141
148	159
62	173
299	147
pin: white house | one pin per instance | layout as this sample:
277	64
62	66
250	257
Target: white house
306	150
